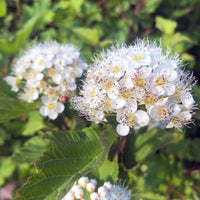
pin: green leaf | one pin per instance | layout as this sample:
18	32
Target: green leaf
34	124
151	5
71	156
31	151
141	145
87	35
6	169
41	10
10	106
108	171
11	46
179	41
76	5
3	8
2	136
167	26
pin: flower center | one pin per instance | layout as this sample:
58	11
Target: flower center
17	81
137	57
140	82
108	85
72	74
52	72
160	80
51	106
163	113
115	69
41	62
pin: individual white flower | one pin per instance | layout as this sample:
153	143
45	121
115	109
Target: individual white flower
29	94
51	107
90	187
94	196
119	192
13	82
162	81
83	181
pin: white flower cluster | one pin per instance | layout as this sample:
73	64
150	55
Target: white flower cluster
47	71
105	192
141	85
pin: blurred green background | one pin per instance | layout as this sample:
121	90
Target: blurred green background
172	172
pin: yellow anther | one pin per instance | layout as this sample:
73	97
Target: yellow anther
51	106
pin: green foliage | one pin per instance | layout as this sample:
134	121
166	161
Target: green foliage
142	144
156	164
107	172
10	46
31	151
34	123
71	156
6	169
165	25
3	8
89	36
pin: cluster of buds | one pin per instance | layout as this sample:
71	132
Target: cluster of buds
141	85
48	72
105	192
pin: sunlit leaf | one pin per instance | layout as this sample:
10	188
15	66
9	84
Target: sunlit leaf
76	5
87	35
108	171
34	123
3	8
167	26
11	46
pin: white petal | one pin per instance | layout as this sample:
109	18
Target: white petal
44	111
118	103
113	93
39	76
57	78
173	76
159	90
72	86
60	107
187	99
84	66
53	115
122	129
142	118
170	89
174	109
35	95
185	116
45	99
99	116
132	105
78	71
127	83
